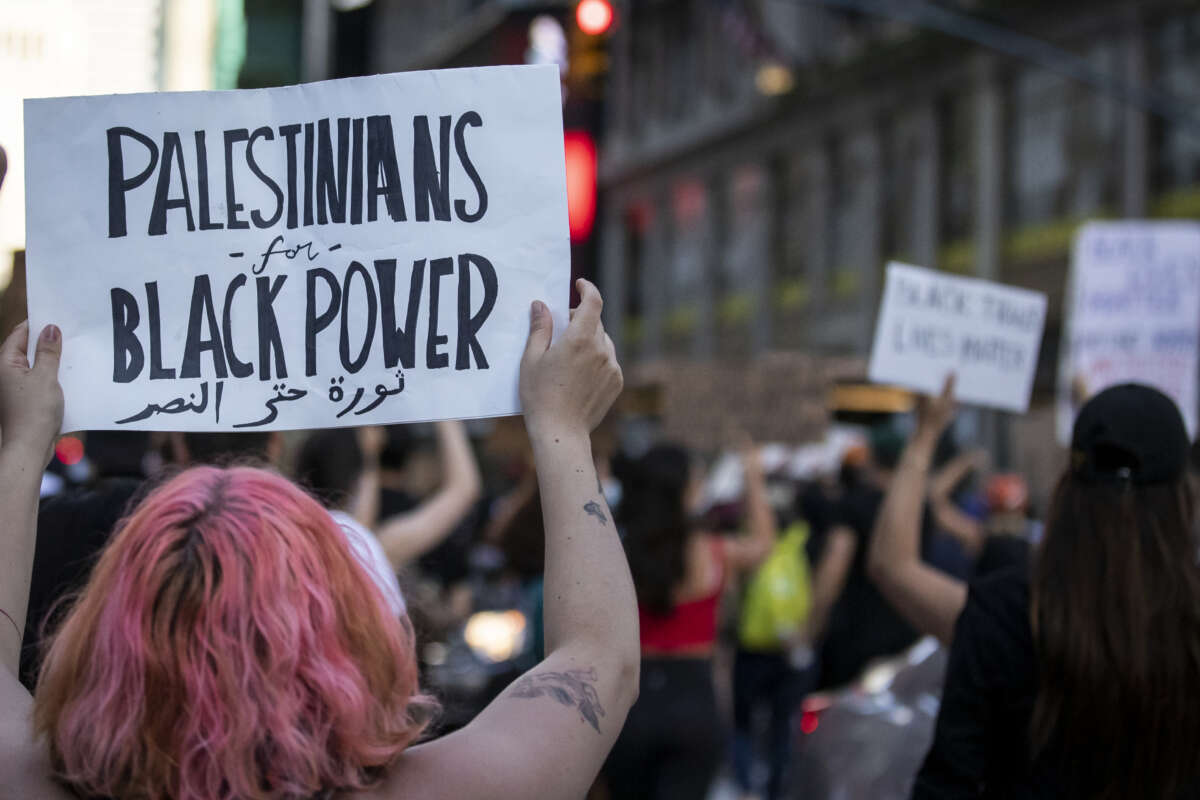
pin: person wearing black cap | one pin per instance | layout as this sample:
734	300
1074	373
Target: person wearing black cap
1077	676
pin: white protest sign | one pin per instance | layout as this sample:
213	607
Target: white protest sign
931	324
339	253
1133	314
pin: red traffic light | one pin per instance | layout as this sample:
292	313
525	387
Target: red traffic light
580	151
594	16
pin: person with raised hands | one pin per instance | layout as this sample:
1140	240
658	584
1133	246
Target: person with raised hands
31	404
927	598
229	645
31	407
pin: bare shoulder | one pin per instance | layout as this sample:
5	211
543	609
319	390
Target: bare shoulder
422	772
545	736
404	779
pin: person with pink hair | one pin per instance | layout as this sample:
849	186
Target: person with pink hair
229	646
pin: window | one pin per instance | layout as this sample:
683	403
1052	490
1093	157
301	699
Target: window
689	205
685	262
958	167
747	242
1041	114
855	214
905	190
1065	144
801	239
637	225
1177	73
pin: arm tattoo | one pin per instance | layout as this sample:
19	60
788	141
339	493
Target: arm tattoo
571	688
593	508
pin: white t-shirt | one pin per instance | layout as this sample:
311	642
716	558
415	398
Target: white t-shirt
370	554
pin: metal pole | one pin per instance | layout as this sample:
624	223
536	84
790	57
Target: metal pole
316	41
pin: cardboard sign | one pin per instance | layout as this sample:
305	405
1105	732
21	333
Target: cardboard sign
1133	314
931	324
348	252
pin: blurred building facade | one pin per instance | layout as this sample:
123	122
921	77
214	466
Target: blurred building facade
764	160
54	48
761	160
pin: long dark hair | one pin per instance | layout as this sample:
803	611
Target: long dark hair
656	525
1116	614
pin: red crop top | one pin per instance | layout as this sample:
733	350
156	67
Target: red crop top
691	625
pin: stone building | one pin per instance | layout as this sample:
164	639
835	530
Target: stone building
748	208
762	160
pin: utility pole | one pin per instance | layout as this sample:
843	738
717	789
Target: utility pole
316	41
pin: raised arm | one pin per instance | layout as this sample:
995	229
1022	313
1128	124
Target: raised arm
408	535
946	513
548	734
31	408
829	578
955	471
364	505
505	510
748	551
929	599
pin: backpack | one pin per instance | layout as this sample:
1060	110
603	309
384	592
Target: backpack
778	596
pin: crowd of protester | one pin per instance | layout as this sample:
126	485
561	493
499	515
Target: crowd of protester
245	615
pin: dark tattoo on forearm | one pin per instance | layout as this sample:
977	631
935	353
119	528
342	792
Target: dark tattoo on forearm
593	508
571	688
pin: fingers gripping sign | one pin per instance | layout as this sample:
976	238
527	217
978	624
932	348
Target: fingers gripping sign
31	400
571	383
934	414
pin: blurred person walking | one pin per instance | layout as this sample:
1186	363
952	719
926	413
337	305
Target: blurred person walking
254	658
1076	676
774	609
850	623
672	743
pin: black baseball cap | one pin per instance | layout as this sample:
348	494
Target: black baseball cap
1129	433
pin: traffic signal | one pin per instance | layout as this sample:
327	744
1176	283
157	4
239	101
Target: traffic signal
588	56
580	151
594	17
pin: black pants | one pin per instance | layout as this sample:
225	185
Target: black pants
672	741
765	681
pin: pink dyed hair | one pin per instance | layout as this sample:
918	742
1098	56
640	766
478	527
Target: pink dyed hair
228	645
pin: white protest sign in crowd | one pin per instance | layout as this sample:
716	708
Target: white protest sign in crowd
339	253
931	324
1133	314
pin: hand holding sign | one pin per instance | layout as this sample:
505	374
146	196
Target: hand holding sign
936	412
932	324
31	401
569	386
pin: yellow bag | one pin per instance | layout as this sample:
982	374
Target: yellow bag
778	596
